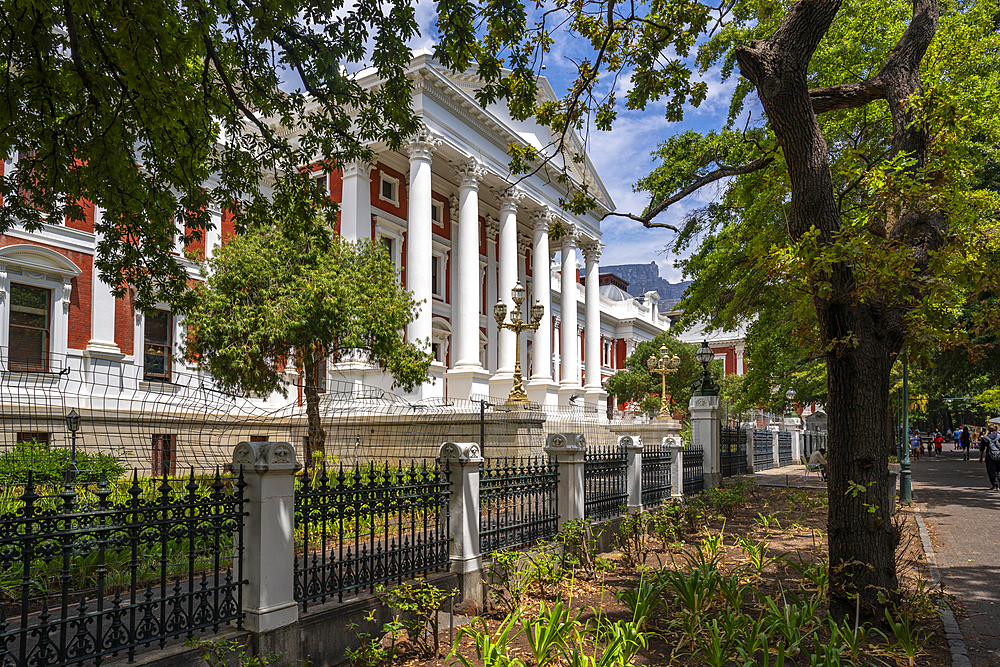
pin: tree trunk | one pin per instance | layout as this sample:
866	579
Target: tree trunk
316	438
862	543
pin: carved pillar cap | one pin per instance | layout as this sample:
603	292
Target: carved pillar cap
557	443
470	173
510	198
673	442
464	453
630	441
422	144
492	228
591	250
264	457
541	219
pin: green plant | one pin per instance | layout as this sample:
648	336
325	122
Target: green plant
50	465
422	600
642	601
847	637
755	556
216	653
543	568
549	631
789	622
622	640
668	521
694	589
493	650
633	537
716	646
370	651
909	642
508	577
767	521
725	500
579	541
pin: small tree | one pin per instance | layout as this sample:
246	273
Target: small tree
635	383
275	298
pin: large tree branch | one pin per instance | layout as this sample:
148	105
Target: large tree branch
700	182
846	95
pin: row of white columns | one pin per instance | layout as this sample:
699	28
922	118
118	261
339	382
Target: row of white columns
467	376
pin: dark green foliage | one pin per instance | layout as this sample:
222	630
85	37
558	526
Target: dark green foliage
50	465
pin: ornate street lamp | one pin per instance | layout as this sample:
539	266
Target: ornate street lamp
663	366
789	405
72	425
517	324
705	386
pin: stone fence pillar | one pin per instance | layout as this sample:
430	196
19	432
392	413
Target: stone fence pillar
633	452
774	444
750	450
676	446
269	542
466	559
705	434
794	426
569	450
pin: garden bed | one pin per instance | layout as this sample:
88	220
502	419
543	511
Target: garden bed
777	588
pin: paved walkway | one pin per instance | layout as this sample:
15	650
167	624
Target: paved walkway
963	517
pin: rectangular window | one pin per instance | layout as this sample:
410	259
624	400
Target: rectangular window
157	346
30	320
437	213
321	376
436	351
387	244
320	182
436	276
26	438
389	189
164	454
259	438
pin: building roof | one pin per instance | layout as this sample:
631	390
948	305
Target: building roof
614	293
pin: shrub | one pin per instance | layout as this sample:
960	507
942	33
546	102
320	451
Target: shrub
421	601
49	464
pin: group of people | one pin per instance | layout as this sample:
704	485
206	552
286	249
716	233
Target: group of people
988	441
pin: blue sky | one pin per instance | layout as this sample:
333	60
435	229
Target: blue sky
622	156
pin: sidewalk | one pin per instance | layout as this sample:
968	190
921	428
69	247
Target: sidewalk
962	515
789	476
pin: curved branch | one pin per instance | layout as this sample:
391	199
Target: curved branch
846	95
700	182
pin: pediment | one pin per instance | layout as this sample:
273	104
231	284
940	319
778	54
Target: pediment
38	259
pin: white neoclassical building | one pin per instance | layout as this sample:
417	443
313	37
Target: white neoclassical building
461	230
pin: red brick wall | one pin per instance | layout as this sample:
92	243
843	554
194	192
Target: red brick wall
376	188
124	325
86	223
80	295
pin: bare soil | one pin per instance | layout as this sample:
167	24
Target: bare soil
801	536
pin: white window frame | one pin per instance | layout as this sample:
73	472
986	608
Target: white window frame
321	181
386	178
393	229
438	206
37	266
177	363
441	335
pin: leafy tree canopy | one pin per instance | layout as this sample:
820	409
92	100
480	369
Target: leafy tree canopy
160	112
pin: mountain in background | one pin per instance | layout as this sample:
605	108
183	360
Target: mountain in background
642	278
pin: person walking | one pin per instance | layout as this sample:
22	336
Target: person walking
938	442
989	448
965	442
915	446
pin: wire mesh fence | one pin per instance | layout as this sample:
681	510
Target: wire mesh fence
518	502
368	525
91	570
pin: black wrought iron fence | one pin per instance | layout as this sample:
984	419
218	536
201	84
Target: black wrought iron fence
763	449
368	525
518	502
733	445
605	478
95	570
784	448
656	463
694	472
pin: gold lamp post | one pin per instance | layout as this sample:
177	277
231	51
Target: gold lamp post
663	366
517	324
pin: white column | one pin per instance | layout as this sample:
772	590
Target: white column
541	388
102	310
592	330
467	376
356	201
419	230
509	200
633	453
569	355
492	231
676	447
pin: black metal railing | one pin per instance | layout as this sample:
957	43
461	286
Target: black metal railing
733	445
605	478
784	448
763	449
518	503
656	463
368	525
694	472
102	569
